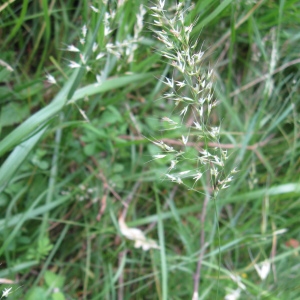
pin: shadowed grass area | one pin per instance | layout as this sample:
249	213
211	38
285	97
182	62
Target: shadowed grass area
76	156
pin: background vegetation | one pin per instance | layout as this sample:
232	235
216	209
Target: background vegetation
70	167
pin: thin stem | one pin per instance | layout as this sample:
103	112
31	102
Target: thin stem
209	144
197	275
219	245
121	278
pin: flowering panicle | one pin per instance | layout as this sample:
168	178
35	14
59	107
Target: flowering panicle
191	90
120	49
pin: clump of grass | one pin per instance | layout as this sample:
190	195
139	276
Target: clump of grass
61	197
191	91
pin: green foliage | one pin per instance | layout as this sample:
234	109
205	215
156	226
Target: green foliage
41	250
50	290
76	155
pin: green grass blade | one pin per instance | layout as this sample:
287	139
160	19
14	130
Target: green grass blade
212	16
24	130
108	85
164	265
16	158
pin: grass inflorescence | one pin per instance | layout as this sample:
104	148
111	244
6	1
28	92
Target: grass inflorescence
191	91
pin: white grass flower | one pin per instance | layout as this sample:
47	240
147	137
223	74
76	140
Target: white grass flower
184	172
159	156
139	21
180	84
198	176
107	30
234	295
82	112
84	30
113	50
169	95
169	82
198	56
215	131
201	101
183	112
74	65
179	65
173	164
214	172
188	99
264	269
233	171
99	79
198	126
100	55
224	154
209	109
168	148
96	10
160	6
209	73
50	79
224	186
229	179
185	139
72	48
168	55
82	58
205	153
209	86
178	180
160	144
217	161
6	65
179	153
6	292
95	46
166	119
215	103
280	231
201	111
173	178
237	279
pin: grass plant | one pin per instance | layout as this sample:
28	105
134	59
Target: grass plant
96	201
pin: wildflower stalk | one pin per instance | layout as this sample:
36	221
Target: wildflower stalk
191	90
